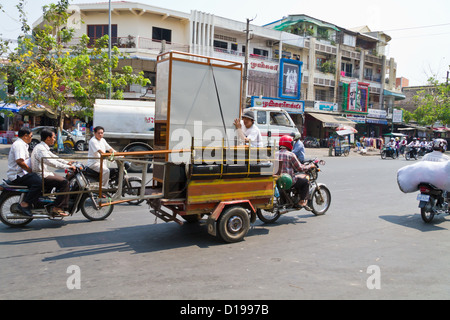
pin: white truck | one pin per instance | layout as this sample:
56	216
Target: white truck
273	123
129	124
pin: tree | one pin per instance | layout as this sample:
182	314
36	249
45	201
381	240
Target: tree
45	68
433	105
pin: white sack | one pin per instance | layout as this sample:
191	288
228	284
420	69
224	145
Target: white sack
436	173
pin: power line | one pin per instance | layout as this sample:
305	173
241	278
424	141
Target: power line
429	26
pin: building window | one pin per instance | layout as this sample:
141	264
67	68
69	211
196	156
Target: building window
160	34
220	44
261	52
96	31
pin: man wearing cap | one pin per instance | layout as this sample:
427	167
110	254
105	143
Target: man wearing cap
247	129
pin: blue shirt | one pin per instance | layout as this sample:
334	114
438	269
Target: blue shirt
299	150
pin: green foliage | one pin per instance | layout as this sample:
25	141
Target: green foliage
46	68
432	105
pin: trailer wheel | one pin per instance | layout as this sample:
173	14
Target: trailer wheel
233	224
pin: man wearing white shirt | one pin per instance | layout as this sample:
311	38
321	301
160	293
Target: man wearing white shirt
41	159
98	145
247	129
20	173
439	147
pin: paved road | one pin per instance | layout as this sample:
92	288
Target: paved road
372	235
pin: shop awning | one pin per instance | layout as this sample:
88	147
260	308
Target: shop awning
289	23
9	107
38	111
396	95
332	121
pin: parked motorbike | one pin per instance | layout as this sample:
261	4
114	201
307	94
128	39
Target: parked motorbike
432	201
319	197
388	152
130	185
82	198
411	153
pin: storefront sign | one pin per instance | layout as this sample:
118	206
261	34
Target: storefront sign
263	66
377	113
356	118
291	106
397	116
325	106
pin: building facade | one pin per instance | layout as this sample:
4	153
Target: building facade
330	71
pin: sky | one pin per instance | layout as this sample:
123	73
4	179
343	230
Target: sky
420	30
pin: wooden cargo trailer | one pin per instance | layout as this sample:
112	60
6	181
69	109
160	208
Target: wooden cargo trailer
199	167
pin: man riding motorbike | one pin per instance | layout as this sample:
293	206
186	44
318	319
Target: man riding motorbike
439	147
20	173
290	165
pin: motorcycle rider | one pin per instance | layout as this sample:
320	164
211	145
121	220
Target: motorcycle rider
403	144
437	155
247	130
20	173
41	158
98	145
290	165
414	145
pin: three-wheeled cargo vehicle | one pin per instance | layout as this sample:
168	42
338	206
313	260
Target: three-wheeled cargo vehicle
199	165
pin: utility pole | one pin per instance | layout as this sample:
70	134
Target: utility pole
245	77
109	48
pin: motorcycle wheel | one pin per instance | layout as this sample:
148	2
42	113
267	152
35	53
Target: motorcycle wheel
320	200
426	213
133	188
9	206
407	156
269	216
89	210
383	155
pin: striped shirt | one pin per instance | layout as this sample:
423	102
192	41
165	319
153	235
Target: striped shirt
289	163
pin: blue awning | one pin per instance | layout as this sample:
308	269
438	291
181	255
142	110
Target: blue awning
9	107
396	95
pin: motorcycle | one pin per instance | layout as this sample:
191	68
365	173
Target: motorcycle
82	197
388	152
432	201
319	197
130	185
411	153
423	151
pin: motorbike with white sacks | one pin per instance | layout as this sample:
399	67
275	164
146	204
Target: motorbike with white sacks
431	177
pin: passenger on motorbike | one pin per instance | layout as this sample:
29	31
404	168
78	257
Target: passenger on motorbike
299	148
98	145
41	158
439	147
290	165
20	173
403	144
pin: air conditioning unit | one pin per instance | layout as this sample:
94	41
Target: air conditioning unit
270	43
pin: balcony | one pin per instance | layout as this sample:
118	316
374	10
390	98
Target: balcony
139	43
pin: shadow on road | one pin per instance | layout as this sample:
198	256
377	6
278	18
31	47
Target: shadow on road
136	239
415	221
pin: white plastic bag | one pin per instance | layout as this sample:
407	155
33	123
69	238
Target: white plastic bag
436	173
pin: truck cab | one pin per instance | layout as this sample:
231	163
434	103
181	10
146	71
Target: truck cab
273	123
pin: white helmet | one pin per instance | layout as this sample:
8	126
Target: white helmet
440	144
